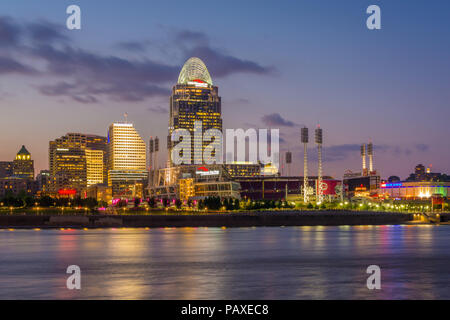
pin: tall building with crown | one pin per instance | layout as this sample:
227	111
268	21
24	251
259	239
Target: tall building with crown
194	98
23	165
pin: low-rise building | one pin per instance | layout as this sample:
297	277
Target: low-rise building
17	185
100	192
414	190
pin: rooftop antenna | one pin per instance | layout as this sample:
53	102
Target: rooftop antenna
126	117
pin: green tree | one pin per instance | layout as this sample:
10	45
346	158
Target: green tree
151	202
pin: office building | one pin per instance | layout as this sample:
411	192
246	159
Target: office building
17	186
195	100
95	167
71	156
6	169
43	181
127	160
23	165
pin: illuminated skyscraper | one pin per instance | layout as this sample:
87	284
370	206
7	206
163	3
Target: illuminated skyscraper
94	167
23	166
126	160
74	161
194	98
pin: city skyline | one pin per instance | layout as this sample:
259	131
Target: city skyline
358	85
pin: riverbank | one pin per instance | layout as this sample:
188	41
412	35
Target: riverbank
229	220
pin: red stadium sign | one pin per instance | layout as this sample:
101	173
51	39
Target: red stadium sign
67	192
329	187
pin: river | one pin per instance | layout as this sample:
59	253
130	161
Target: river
235	263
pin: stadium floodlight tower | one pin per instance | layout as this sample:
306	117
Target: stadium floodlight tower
152	171
370	154
289	161
363	156
319	140
304	138
155	163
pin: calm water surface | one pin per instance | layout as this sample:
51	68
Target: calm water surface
214	263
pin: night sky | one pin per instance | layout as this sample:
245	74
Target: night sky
278	64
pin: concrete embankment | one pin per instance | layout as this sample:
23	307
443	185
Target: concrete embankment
250	219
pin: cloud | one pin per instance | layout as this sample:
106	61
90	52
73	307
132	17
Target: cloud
276	120
340	152
87	77
8	65
191	37
95	75
240	101
45	32
87	93
420	147
221	65
10	32
135	46
158	109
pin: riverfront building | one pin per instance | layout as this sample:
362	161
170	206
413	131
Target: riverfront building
127	160
277	188
414	190
191	182
76	161
17	186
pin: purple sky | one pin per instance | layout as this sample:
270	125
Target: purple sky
277	64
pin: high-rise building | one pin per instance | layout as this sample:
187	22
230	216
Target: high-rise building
6	169
70	157
23	166
43	181
126	160
95	164
194	98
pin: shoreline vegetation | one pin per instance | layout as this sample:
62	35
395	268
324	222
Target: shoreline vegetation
165	219
47	212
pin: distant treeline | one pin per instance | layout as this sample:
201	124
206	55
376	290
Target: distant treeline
27	201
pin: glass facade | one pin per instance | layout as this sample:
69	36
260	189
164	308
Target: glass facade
127	159
195	98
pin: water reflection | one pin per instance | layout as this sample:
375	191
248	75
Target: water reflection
215	263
